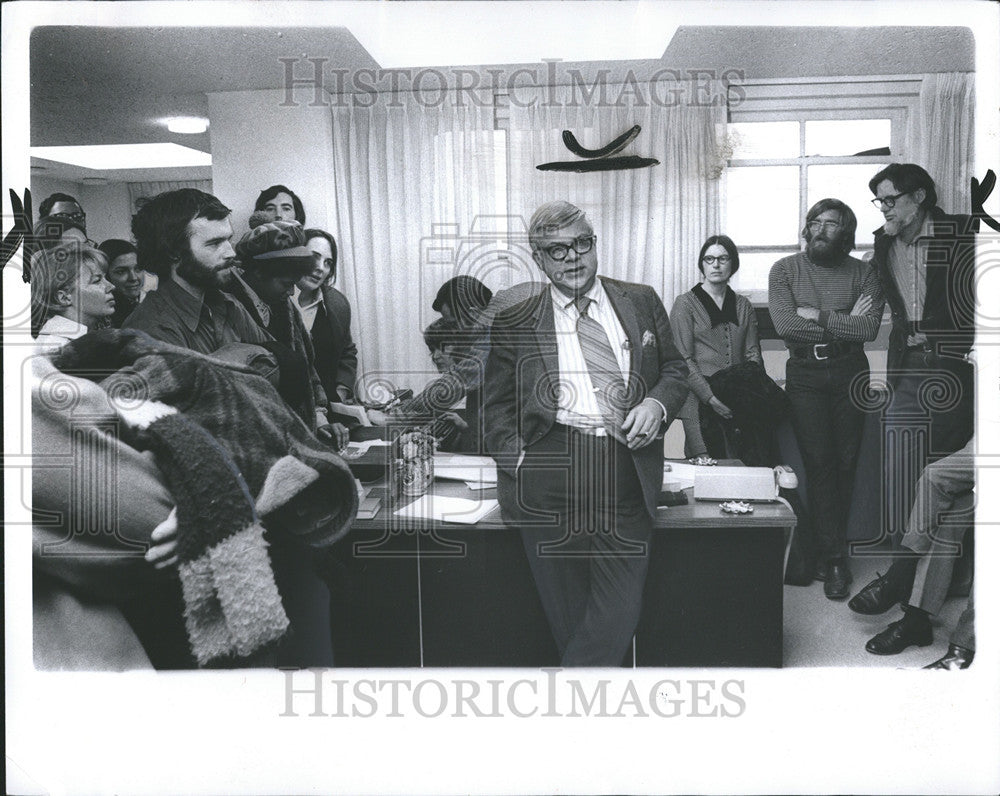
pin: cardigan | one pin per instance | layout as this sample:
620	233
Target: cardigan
707	350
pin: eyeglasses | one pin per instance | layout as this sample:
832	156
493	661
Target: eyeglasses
559	251
816	226
710	259
888	202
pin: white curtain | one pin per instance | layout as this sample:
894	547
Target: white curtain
411	175
942	136
651	222
140	192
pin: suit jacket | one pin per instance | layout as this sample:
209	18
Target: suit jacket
523	370
949	315
342	357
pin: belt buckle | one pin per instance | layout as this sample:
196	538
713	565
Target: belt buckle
816	348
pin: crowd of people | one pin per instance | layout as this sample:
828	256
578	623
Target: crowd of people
220	394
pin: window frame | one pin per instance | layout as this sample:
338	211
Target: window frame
820	99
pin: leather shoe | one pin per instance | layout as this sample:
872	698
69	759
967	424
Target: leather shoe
838	581
898	636
956	658
877	597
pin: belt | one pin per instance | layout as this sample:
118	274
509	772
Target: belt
823	351
922	348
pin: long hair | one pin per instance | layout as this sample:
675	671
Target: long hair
57	269
848	221
313	232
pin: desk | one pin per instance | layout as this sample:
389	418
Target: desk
409	593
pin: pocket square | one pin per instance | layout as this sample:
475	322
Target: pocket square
648	338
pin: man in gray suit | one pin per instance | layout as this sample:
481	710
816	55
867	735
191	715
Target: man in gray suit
581	382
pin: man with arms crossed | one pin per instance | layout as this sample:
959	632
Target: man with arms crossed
825	304
580	384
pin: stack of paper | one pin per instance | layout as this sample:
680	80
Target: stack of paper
447	509
478	472
680	475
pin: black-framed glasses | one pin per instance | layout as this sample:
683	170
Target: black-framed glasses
582	245
816	226
710	259
888	202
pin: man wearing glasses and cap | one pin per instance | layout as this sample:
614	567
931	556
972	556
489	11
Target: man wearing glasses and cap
926	262
826	304
581	382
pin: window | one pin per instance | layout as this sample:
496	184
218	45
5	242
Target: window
794	144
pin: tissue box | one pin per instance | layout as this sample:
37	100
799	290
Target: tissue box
735	483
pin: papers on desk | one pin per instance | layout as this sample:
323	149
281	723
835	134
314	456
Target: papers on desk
353	411
478	472
680	475
447	509
355	450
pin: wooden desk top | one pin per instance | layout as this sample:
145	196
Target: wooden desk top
699	514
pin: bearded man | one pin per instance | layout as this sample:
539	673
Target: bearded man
185	238
826	304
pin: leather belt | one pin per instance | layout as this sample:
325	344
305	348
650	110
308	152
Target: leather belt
822	351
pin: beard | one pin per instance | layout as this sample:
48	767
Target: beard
200	275
893	227
822	250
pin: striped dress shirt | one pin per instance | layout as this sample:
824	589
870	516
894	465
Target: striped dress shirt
577	403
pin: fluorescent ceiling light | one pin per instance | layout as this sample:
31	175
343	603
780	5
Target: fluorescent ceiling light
494	33
124	156
186	125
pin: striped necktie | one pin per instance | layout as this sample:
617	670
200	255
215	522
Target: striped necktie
605	374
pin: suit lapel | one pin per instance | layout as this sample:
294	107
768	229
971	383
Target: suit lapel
544	325
625	309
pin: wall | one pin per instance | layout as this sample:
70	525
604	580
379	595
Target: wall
107	206
257	142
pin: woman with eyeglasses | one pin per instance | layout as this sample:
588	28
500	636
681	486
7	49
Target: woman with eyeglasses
714	328
326	313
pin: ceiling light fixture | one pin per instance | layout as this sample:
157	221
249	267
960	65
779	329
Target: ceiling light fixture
124	156
186	125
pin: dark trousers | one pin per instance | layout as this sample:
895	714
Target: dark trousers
929	416
828	422
586	532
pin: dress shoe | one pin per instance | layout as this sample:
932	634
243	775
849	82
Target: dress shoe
838	581
956	658
898	636
877	597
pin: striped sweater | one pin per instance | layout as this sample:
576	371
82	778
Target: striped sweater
798	282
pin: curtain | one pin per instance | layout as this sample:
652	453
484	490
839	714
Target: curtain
140	192
942	137
650	223
412	175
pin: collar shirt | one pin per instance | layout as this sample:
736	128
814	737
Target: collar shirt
908	263
577	403
203	321
308	311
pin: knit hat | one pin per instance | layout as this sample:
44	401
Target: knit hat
281	244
